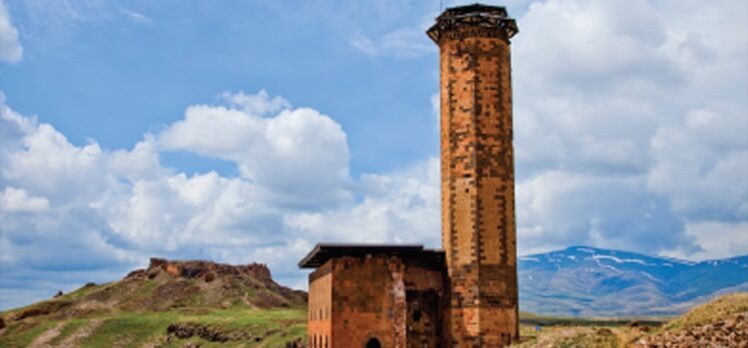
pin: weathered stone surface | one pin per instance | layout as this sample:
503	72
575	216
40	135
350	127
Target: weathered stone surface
397	302
205	269
478	215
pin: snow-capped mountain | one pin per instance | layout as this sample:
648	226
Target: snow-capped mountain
584	281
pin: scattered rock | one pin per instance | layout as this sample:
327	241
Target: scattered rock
297	343
43	308
729	332
58	294
136	273
187	330
216	334
209	277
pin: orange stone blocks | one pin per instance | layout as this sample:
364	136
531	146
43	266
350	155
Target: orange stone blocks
477	169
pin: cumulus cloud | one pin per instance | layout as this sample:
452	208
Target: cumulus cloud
715	239
705	156
402	207
560	208
621	139
272	151
117	208
10	48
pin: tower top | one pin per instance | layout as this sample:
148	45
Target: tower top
473	20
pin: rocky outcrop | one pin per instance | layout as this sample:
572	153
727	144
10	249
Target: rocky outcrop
208	269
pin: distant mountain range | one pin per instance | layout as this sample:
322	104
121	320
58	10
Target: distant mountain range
592	282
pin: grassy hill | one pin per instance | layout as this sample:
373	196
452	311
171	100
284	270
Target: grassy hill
169	304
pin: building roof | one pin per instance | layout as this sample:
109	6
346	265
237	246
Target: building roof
476	15
326	251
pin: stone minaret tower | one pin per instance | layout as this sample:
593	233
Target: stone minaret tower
477	169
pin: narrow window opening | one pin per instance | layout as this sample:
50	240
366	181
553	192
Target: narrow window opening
416	315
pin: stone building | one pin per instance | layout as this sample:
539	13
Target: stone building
466	295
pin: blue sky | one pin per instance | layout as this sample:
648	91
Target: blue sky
246	131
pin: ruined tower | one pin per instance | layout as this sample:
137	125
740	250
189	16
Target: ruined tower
477	169
405	296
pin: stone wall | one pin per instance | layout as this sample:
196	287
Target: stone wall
477	168
193	269
397	302
319	321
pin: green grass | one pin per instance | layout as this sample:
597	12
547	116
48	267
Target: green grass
130	329
70	327
22	334
82	292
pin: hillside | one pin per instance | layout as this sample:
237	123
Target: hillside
720	323
591	282
167	304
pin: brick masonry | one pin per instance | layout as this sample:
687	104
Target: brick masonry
394	301
387	296
477	169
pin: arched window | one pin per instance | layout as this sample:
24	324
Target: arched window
326	342
373	343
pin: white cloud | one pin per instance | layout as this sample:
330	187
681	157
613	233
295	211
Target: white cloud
117	208
10	48
630	124
716	239
399	207
706	156
17	200
257	104
401	43
300	154
559	208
